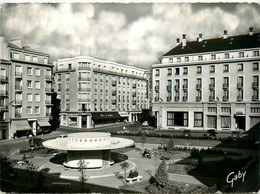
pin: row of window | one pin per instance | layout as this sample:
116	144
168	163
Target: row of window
27	57
212	57
37	85
37	97
240	67
37	71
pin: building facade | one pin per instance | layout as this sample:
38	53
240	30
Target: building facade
94	91
26	88
209	84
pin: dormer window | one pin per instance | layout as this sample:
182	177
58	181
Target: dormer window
241	54
226	55
186	59
178	59
170	60
256	53
200	58
213	57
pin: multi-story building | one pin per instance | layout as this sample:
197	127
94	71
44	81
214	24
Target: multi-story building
209	84
94	91
26	87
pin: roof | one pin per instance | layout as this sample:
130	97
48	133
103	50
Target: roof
217	44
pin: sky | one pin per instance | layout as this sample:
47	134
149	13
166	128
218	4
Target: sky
134	34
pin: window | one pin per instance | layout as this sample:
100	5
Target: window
240	81
37	97
35	59
37	110
212	69
212	122
59	77
16	56
199	69
256	66
157	72
177	119
170	60
213	57
29	83
37	85
225	95
29	110
226	68
240	67
185	70
225	122
198	119
59	87
200	58
226	82
169	71
27	57
241	54
186	59
226	55
29	71
37	72
69	66
256	53
178	59
177	71
29	97
45	60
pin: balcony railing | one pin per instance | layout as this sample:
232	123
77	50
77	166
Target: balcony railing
169	87
211	98
48	77
225	85
18	88
67	89
84	79
225	98
156	99
84	68
84	99
198	86
3	107
254	85
211	86
156	88
254	98
3	92
134	102
239	85
134	94
3	78
176	98
48	114
113	92
169	98
198	98
48	90
114	83
84	89
134	85
113	101
18	102
18	74
176	87
184	98
48	102
239	98
185	87
17	114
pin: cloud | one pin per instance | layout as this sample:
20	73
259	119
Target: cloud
65	30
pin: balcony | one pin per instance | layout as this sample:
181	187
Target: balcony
113	101
18	74
18	102
211	98
84	100
114	83
169	98
134	102
113	92
239	98
254	85
184	98
84	68
48	77
225	98
84	79
18	88
134	94
225	86
48	102
3	78
176	87
254	98
84	89
198	86
134	86
198	98
67	100
185	87
48	114
169	88
48	90
18	114
67	89
156	88
211	86
3	108
3	93
239	86
156	99
176	98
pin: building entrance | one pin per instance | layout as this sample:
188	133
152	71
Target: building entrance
241	122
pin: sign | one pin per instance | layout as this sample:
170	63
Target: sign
123	114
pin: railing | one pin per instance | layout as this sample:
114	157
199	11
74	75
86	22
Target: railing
169	99
114	83
3	107
84	100
239	98
185	87
198	86
239	85
254	85
48	90
84	68
47	101
254	98
17	114
211	98
3	78
134	85
184	98
49	77
176	87
18	101
113	92
113	101
198	98
18	87
176	98
18	74
225	98
156	99
134	94
169	87
84	79
156	87
3	92
134	102
211	86
225	85
84	89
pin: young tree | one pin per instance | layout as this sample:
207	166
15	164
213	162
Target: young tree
161	176
143	139
124	166
170	146
82	165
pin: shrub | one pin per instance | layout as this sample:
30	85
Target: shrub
161	176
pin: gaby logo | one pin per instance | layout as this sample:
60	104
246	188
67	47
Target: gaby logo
231	177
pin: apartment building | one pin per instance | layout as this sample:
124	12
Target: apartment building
209	84
26	88
94	91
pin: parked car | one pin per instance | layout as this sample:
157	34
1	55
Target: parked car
145	124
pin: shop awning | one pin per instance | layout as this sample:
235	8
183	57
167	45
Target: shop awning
44	123
21	125
124	114
105	115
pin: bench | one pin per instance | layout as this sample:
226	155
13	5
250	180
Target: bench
130	180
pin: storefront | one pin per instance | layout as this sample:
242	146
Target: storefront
43	125
3	131
21	128
124	116
105	117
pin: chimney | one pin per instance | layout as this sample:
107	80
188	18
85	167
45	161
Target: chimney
177	41
225	35
251	31
200	39
183	40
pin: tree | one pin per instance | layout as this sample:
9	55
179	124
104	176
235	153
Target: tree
30	167
55	111
143	139
161	176
124	166
82	165
170	146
